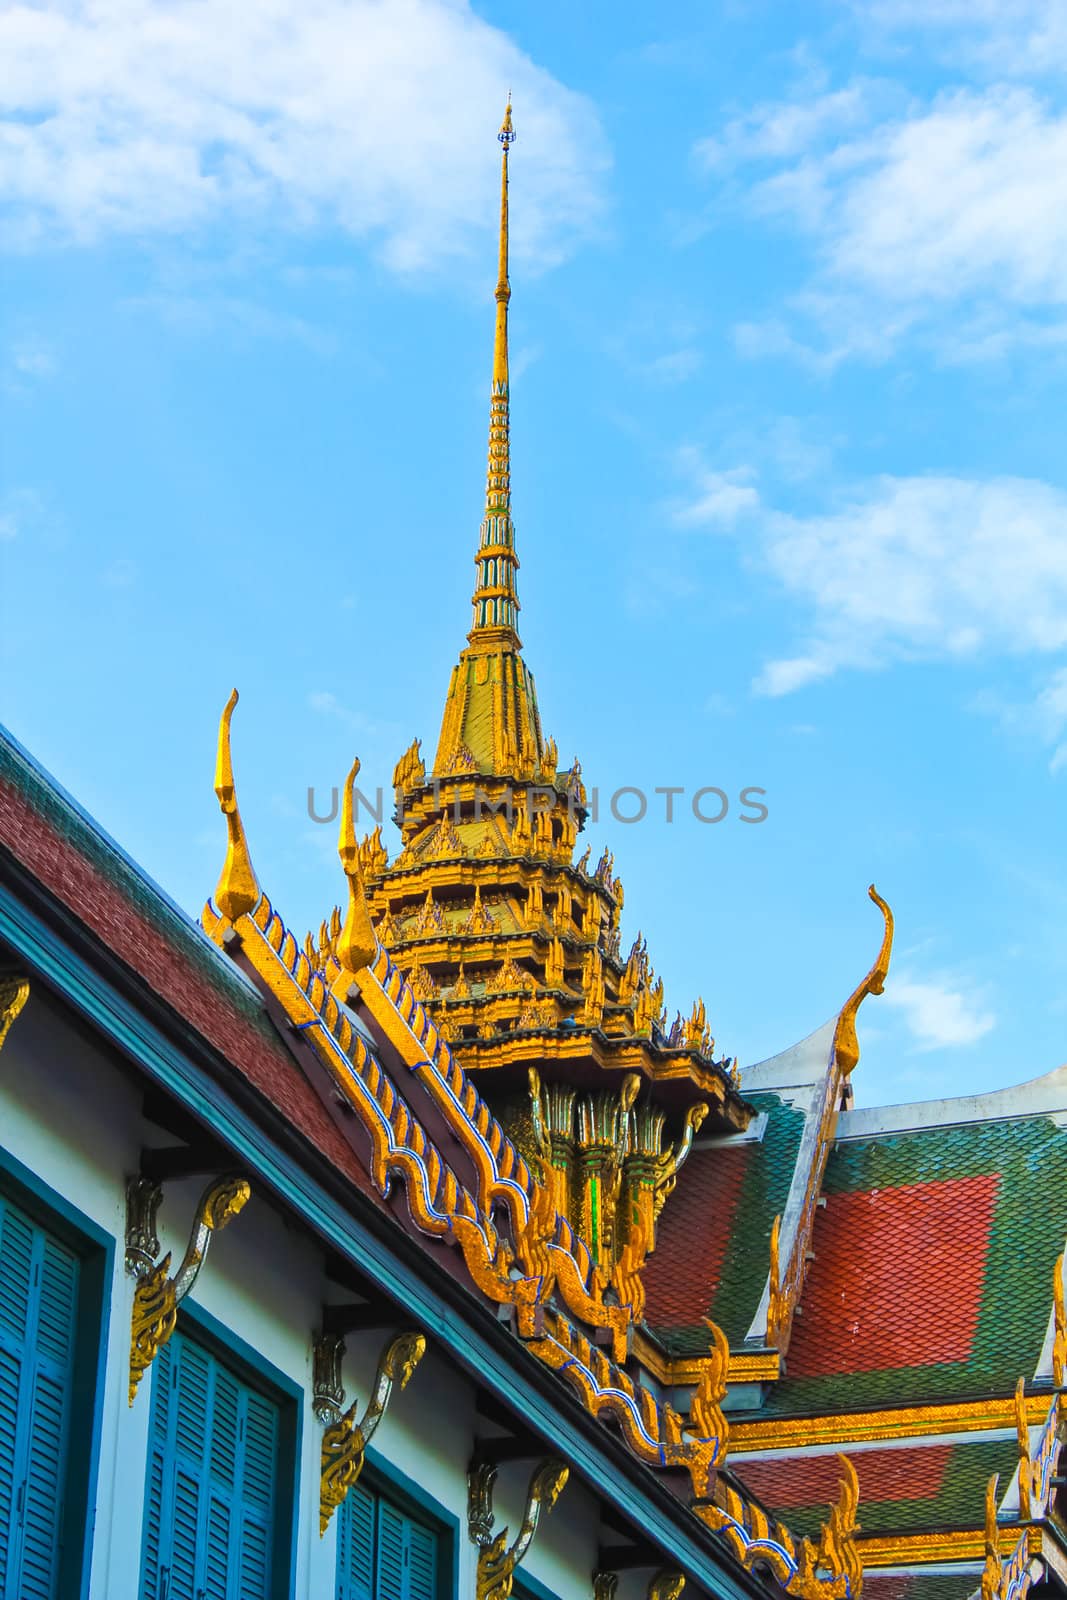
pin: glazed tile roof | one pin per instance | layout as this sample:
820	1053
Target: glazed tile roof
907	1487
65	850
919	1586
713	1248
933	1264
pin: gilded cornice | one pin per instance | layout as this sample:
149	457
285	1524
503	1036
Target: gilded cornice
919	1549
746	1366
861	1427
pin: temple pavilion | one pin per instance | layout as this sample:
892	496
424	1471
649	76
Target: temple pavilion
519	1287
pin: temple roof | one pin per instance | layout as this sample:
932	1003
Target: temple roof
934	1259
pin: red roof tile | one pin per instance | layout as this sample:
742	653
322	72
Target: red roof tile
897	1277
140	945
904	1473
693	1234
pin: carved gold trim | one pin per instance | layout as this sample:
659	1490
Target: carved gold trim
829	1570
916	1549
755	1366
1059	1318
345	1441
857	1427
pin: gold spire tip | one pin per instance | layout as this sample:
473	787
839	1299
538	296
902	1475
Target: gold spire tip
507	132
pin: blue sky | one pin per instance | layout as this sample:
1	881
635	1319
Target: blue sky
789	325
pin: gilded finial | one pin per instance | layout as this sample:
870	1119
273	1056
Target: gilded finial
356	943
238	889
496	605
846	1044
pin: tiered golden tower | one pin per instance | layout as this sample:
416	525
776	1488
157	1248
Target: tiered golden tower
513	945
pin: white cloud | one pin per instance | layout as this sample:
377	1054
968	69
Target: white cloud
781	129
926	567
1005	35
134	116
915	211
721	498
938	1013
908	568
327	704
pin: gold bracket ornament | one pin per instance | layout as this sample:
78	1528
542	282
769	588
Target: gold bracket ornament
143	1199
497	1560
327	1390
605	1585
346	1440
14	992
666	1585
158	1296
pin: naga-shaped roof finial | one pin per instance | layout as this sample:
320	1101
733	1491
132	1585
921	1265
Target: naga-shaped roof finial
846	1044
356	945
238	888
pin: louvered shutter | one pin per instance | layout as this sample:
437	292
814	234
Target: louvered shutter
422	1563
258	1472
211	1482
383	1553
355	1553
392	1550
38	1310
160	1491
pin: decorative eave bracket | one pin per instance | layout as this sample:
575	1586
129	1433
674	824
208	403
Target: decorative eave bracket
157	1296
345	1440
497	1560
14	992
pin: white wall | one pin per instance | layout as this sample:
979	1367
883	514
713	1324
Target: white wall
71	1115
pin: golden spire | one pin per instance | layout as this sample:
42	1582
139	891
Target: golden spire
496	603
490	722
238	889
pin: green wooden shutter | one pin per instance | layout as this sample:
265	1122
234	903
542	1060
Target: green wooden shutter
355	1553
38	1313
422	1563
210	1495
160	1490
383	1553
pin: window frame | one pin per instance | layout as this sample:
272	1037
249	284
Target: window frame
384	1479
253	1369
95	1249
527	1587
